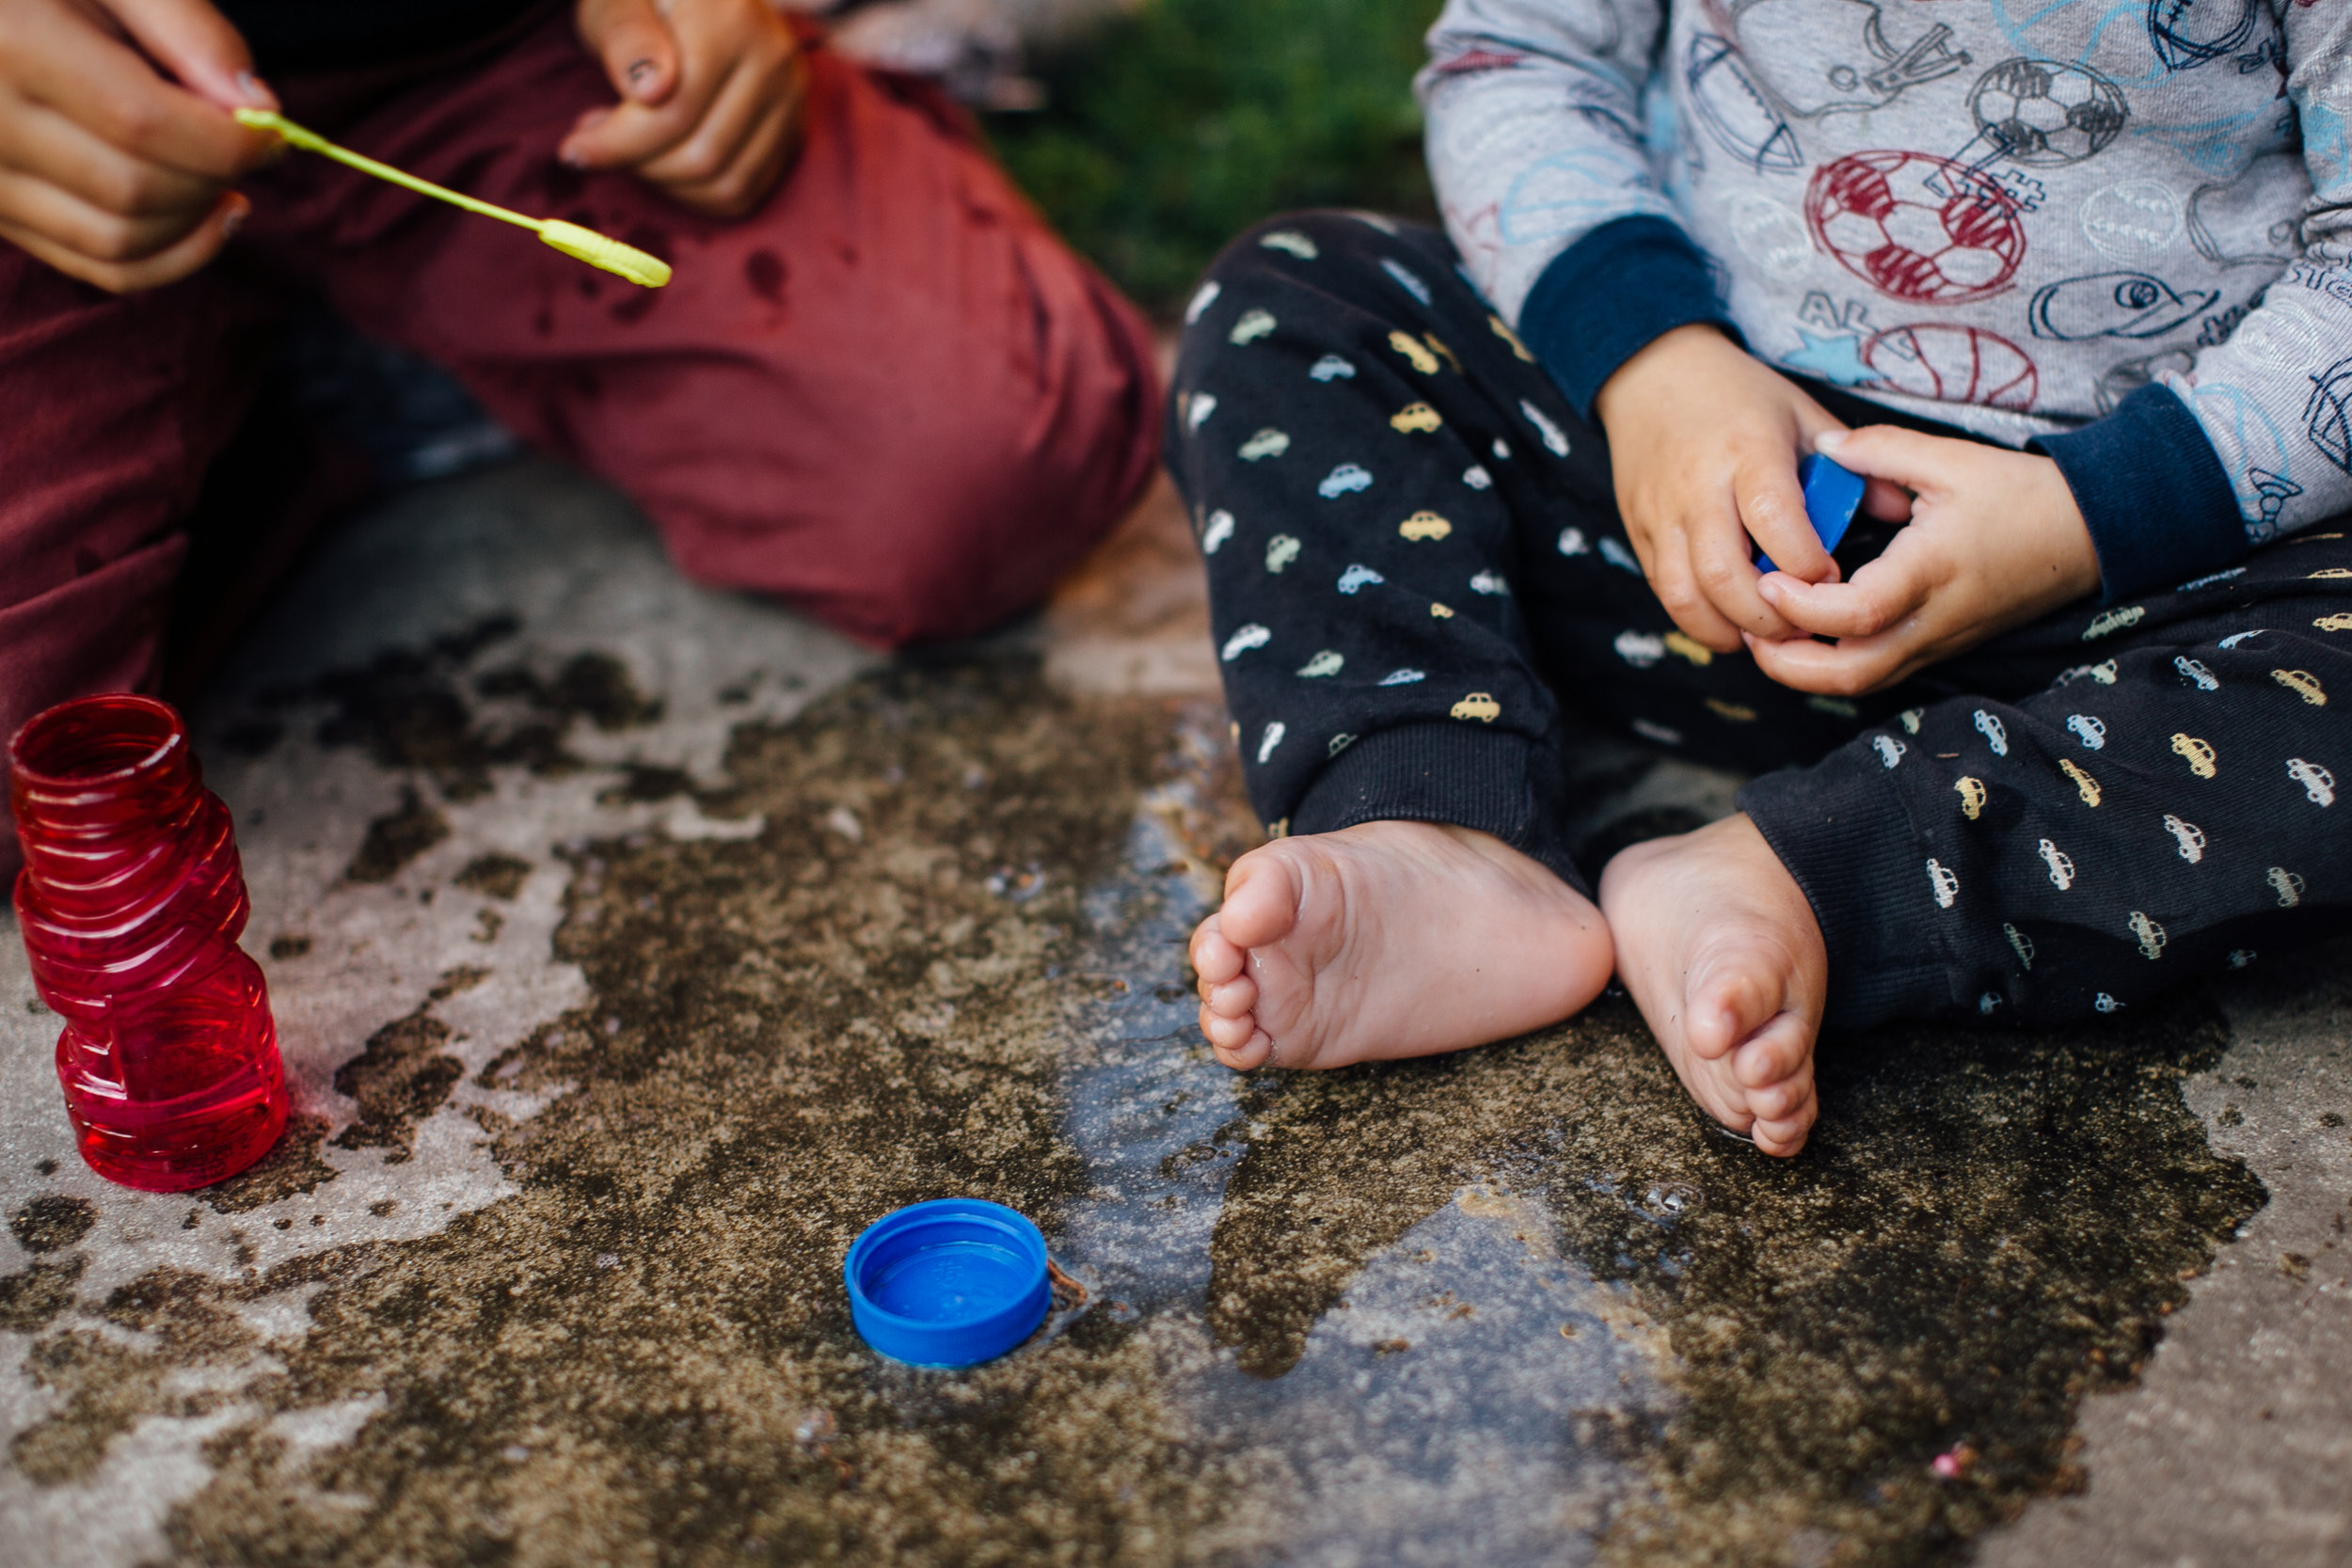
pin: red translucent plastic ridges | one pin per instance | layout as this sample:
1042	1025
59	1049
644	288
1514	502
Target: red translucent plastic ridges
131	901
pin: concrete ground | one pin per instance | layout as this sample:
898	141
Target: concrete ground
634	945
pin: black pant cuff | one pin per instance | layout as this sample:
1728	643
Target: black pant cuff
1841	828
1492	782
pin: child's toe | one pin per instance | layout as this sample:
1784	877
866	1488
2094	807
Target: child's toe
1778	1050
1215	958
1228	1034
1782	1136
1781	1101
1250	1054
1261	901
1235	998
1728	1004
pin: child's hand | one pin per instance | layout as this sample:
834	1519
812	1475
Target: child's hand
116	145
1995	540
1704	440
710	98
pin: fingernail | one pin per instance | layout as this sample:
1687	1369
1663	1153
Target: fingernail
1829	440
251	87
638	71
235	220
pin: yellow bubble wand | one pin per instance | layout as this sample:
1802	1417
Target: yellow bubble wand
597	250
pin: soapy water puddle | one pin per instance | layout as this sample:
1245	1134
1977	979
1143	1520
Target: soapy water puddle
1555	1318
1460	1403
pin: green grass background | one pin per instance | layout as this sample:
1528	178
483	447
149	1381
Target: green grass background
1167	132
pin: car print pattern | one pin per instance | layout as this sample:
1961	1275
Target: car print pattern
2064	838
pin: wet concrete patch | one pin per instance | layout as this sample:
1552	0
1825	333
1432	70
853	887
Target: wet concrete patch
437	711
896	991
1522	1298
290	1169
788	1036
548	1270
1987	1227
396	838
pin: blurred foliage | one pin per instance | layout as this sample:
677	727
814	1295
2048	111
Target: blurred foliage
1168	131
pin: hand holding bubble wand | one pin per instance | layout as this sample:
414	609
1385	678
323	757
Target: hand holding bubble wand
586	245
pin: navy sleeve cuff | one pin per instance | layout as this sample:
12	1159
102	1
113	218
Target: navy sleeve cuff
2154	491
1607	296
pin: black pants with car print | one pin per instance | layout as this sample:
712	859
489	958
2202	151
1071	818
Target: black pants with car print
1415	560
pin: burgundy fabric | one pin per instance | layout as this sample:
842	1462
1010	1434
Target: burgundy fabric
890	397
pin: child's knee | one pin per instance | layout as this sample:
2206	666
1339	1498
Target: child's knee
1347	260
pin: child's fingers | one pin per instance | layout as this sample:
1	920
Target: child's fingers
96	80
1878	596
754	169
1905	458
1886	500
716	170
1771	510
1722	562
200	47
627	136
640	55
1674	578
48	146
1847	669
169	265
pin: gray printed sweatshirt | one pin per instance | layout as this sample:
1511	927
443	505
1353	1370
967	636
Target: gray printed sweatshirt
2118	231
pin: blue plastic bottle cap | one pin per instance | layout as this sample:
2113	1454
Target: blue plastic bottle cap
1831	495
947	1283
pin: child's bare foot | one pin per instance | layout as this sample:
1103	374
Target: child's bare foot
1391	939
1719	946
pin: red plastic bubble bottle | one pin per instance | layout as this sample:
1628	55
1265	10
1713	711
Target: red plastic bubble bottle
131	901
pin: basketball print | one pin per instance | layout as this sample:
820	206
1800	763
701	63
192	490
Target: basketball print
1953	364
2046	114
1921	228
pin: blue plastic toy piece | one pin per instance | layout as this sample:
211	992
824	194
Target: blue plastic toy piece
947	1283
1831	495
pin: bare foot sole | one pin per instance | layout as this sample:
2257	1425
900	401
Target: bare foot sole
1719	949
1391	939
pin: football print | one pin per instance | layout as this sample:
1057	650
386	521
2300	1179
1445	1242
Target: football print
1742	121
1921	228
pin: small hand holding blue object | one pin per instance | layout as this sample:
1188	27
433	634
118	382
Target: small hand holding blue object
1831	495
1991	539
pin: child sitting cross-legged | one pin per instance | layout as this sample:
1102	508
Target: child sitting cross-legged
2061	725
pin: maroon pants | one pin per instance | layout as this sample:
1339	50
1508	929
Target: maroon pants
890	397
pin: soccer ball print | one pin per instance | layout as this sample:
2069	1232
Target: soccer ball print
2044	114
1915	226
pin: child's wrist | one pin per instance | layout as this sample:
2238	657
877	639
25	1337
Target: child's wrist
2073	558
1665	358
